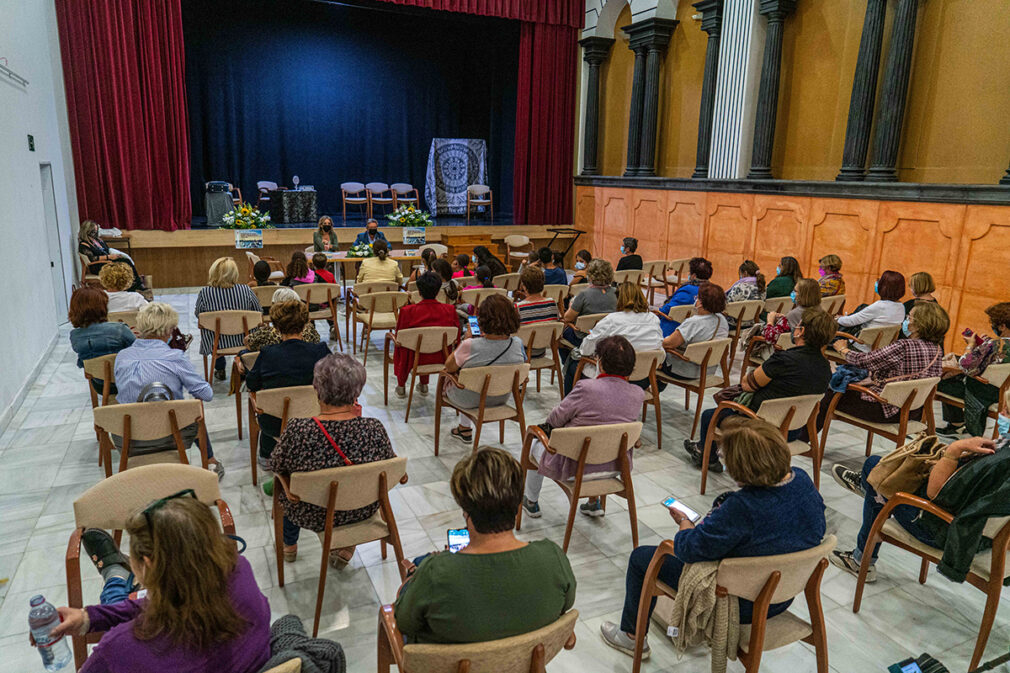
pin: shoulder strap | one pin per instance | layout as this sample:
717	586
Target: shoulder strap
497	357
332	443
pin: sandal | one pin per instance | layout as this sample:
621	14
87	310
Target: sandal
340	558
102	550
290	553
465	435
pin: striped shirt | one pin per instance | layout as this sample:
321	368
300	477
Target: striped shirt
235	298
903	360
542	310
151	360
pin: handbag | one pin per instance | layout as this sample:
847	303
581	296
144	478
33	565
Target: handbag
728	394
178	340
907	467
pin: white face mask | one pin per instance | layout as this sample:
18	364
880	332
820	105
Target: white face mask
580	265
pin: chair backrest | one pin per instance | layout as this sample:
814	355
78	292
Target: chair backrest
775	411
879	337
507	655
577	289
427	339
478	190
383	302
517	240
745	577
681	313
744	311
644	362
476	295
357	485
412	286
318	293
655	269
778	304
230	322
266	184
416	298
84	264
128	318
249	359
995	525
95	368
833	305
402	187
696	352
361	289
289	666
507	281
352	187
995	374
148	420
265	294
629	276
540	334
785	341
897	392
109	503
585	323
604	441
556	292
439	248
302	402
679	268
377	187
501	377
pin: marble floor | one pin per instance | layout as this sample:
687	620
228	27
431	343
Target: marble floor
48	458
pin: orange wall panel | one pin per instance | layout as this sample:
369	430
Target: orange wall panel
982	276
729	234
585	211
780	230
615	220
844	227
685	224
649	225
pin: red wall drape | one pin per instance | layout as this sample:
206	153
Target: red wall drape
124	70
560	12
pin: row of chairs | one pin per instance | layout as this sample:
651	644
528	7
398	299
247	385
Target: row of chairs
399	194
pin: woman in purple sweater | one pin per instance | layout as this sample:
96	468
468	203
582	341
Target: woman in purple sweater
203	612
608	398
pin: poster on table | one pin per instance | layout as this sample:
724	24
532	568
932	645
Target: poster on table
414	236
248	239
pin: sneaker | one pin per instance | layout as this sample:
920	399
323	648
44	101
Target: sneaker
264	464
531	508
219	375
593	509
333	335
844	561
215	466
951	430
400	391
697	453
422	389
621	641
102	550
850	480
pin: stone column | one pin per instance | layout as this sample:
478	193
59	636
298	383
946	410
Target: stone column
711	23
594	51
648	39
894	94
768	94
864	91
1005	180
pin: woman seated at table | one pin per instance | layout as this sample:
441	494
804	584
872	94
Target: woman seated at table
776	510
298	271
92	335
495	587
484	257
429	312
381	267
91	245
707	323
224	293
885	311
308	444
116	278
288	363
324	239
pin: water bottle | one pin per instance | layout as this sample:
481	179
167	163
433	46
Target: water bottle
43	618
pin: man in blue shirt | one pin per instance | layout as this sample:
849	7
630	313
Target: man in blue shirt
371	234
701	271
553	275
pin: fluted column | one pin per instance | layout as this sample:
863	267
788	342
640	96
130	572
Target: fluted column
894	94
776	12
864	91
648	39
594	52
635	117
711	23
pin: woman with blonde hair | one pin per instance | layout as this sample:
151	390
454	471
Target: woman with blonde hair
922	286
324	239
831	282
98	253
203	611
116	278
223	293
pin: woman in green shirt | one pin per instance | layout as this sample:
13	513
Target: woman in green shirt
324	239
786	276
497	586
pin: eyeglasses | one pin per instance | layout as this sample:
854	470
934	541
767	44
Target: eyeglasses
160	502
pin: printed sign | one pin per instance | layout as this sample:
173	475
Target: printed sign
414	236
248	239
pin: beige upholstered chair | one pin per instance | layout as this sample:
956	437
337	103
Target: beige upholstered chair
289	666
110	503
588	445
102	368
224	323
833	305
477	196
143	421
283	403
422	341
341	489
526	653
507	281
324	296
763	580
402	194
376	312
906	395
248	360
656	278
874	337
752	359
353	194
440	249
680	313
546	335
744	313
518	248
276	268
128	318
416	298
476	295
785	413
486	382
988	568
265	295
705	354
677	273
585	324
577	289
995	375
361	289
647	364
778	305
377	196
88	278
636	276
557	293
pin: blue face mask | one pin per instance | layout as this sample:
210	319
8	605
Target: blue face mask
904	328
778	271
1003	425
473	258
622	249
580	265
792	295
876	287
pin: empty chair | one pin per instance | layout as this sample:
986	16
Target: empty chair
478	294
402	195
360	289
478	196
263	188
507	281
677	273
833	305
518	249
556	292
743	314
147	429
353	193
379	194
656	278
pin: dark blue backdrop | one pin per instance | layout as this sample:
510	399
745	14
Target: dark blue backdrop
335	94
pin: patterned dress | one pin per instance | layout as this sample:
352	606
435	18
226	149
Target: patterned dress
303	448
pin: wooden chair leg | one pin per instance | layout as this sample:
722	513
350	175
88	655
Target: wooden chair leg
633	515
988	617
410	396
278	514
438	412
501	432
206	374
923	571
573	506
659	419
697	413
478	425
320	591
238	412
254	441
382	549
869	443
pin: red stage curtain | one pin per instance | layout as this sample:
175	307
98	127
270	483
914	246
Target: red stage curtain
124	69
558	12
545	124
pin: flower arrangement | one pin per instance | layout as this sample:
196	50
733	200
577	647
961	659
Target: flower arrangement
246	216
409	216
361	250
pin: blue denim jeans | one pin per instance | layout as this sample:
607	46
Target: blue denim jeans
290	532
117	589
906	516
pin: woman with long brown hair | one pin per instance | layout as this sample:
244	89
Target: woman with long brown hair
298	271
203	611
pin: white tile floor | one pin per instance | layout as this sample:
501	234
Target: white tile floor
48	458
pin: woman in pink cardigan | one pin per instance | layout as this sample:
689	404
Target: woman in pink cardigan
608	398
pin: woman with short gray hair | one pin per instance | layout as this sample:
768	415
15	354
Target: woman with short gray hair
338	436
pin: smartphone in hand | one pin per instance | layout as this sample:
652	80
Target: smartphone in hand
673	503
474	327
457	538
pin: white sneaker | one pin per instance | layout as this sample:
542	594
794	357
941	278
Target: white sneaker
621	641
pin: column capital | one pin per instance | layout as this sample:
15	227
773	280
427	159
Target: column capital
650	34
777	10
711	16
596	49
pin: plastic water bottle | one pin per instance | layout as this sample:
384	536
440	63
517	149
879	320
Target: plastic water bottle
43	618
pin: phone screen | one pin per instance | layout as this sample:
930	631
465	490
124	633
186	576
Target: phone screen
673	503
474	327
458	538
911	668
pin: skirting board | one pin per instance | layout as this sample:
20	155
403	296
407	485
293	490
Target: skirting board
8	414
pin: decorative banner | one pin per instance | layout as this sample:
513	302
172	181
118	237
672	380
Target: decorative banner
453	165
414	236
248	239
